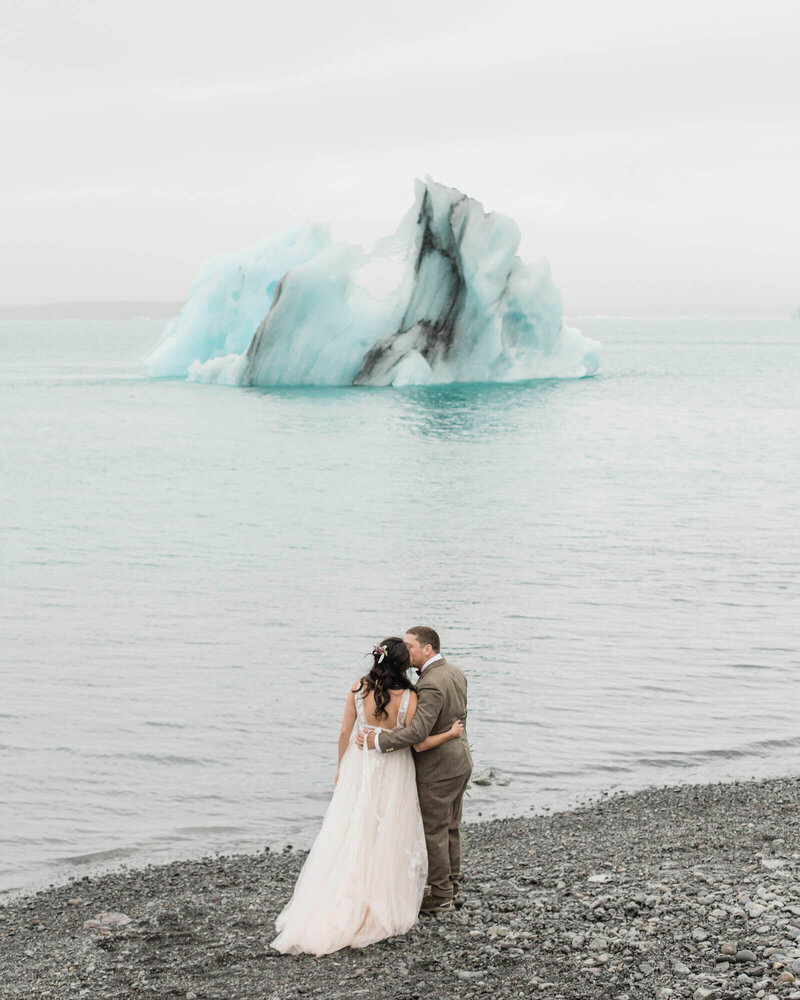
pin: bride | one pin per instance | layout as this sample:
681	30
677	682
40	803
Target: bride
365	875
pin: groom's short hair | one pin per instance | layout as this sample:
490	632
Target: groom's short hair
425	636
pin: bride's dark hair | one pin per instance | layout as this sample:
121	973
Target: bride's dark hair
390	661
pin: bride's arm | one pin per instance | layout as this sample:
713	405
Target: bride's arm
348	721
434	741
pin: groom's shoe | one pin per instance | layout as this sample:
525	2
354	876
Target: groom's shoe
430	904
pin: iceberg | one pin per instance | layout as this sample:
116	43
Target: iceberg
229	298
444	299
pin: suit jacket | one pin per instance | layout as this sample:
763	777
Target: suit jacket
442	694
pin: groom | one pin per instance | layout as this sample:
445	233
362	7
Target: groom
442	773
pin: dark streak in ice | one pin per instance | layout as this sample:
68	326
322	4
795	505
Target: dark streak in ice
255	344
429	331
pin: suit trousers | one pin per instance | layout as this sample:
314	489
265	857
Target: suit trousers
440	803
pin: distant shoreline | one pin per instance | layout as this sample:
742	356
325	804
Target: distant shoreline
91	310
152	309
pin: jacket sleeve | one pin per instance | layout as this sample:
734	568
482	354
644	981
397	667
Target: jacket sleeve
429	706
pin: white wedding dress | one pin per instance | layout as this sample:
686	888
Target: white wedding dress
365	875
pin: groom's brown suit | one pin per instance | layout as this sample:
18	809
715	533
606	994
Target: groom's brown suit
442	773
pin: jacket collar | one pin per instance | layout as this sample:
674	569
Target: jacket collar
432	666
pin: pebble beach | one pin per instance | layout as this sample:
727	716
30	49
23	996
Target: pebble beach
692	891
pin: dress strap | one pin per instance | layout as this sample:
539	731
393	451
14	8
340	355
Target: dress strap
362	719
401	711
369	758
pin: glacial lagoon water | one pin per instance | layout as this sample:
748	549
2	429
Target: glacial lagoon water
191	574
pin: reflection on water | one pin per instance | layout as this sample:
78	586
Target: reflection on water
449	412
192	575
458	412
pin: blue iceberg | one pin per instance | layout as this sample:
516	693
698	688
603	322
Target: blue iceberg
444	299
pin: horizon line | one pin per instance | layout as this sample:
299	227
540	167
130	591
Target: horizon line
112	309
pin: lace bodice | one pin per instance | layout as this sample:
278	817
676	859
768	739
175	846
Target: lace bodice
401	713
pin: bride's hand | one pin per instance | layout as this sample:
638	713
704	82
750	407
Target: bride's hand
456	729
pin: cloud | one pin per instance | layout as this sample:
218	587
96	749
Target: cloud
609	132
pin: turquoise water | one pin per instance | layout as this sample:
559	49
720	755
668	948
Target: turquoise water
191	575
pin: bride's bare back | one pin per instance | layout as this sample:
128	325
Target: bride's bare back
389	721
392	709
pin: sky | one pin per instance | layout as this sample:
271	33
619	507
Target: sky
650	152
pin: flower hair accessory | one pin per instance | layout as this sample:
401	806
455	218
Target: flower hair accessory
380	652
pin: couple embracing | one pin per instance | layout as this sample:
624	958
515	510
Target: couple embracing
393	822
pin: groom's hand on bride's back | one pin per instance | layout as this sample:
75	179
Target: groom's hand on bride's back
370	739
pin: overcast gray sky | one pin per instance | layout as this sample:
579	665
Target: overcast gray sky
650	151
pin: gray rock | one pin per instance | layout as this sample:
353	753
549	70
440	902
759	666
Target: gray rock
490	776
745	955
107	921
680	969
499	930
